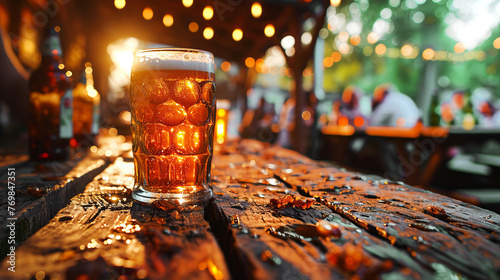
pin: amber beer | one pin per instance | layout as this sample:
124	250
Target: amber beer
172	100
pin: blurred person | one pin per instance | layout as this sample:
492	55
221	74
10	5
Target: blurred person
257	123
489	116
457	105
350	106
461	102
447	114
286	123
393	108
335	113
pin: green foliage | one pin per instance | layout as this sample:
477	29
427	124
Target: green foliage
367	71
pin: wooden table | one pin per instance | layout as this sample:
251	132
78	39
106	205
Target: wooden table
268	219
421	150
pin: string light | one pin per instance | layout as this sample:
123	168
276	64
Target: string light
120	4
208	33
168	20
336	56
193	27
237	34
328	61
459	47
496	43
208	13
256	10
225	66
269	30
187	3
380	49
250	62
406	50
335	3
372	38
147	13
355	40
428	54
343	36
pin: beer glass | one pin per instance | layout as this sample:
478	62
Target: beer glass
172	99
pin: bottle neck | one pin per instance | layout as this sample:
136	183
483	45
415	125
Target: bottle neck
51	48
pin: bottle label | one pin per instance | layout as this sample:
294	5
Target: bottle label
52	46
96	118
66	124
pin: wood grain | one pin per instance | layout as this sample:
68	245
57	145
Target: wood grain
380	229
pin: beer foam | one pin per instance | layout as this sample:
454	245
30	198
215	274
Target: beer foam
172	60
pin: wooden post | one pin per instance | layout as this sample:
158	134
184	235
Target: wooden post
298	62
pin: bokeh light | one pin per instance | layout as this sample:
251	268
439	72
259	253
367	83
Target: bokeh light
459	47
187	3
208	33
225	66
269	30
193	27
168	20
120	4
208	13
428	54
335	3
372	38
256	10
237	34
380	49
328	61
496	43
147	13
250	62
406	50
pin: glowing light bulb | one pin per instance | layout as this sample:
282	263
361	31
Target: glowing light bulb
193	27
256	10
250	62
225	66
120	4
428	54
147	13
269	30
168	20
208	33
335	3
208	13
237	34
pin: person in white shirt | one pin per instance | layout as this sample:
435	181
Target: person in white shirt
393	108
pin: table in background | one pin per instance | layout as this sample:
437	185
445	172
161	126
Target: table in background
421	151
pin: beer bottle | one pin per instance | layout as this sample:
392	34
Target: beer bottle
470	119
96	100
51	103
82	115
434	115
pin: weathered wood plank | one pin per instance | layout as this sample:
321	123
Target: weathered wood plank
263	242
102	234
388	230
41	190
434	229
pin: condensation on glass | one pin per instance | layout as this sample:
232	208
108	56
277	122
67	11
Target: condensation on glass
173	102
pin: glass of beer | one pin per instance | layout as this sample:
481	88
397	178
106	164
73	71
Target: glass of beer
172	99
